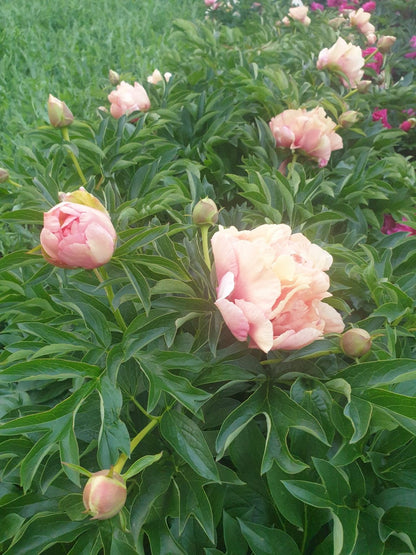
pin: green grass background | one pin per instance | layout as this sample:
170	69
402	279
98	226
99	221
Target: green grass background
66	48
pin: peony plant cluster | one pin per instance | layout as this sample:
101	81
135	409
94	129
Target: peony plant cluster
208	291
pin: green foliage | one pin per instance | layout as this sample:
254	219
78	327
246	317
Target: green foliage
225	450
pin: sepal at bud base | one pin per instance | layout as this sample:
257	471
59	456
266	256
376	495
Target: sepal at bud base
59	113
82	196
355	342
348	118
104	494
205	212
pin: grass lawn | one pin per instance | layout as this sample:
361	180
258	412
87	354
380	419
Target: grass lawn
66	48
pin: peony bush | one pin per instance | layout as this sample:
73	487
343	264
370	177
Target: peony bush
208	295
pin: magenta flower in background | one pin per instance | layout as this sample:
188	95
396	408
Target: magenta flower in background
412	41
382	116
406	125
376	61
391	226
316	6
410	55
369	6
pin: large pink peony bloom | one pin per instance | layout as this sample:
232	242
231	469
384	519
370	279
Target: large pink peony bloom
127	99
271	285
77	236
312	132
345	57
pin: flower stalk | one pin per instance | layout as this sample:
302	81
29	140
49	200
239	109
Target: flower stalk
65	135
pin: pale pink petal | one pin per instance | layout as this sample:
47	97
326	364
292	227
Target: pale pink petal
234	318
261	329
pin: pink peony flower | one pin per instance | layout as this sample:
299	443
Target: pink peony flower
127	99
270	287
369	7
412	41
311	132
410	55
382	116
376	61
361	20
300	13
391	226
104	494
344	57
406	125
77	236
317	6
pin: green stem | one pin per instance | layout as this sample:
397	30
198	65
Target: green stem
205	248
102	276
350	93
118	467
65	135
14	183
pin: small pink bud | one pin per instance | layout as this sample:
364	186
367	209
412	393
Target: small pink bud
59	113
104	494
355	342
205	212
113	77
4	175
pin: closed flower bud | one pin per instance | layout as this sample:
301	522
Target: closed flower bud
113	77
59	113
355	342
205	212
4	175
385	43
363	86
348	118
104	494
77	235
81	196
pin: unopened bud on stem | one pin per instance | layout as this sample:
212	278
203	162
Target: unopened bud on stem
59	113
205	212
104	494
355	342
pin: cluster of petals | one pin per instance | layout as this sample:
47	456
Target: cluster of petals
376	60
298	13
381	115
311	132
157	77
361	20
270	287
77	236
412	43
343	57
127	98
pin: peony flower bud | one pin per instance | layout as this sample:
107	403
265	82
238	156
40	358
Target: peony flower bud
385	43
355	342
76	235
104	494
363	86
348	118
59	113
205	212
113	77
4	175
81	196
